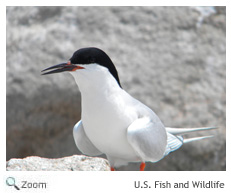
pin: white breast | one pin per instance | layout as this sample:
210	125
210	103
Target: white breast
106	113
106	121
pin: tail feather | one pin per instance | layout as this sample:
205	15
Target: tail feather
181	131
175	139
196	138
173	143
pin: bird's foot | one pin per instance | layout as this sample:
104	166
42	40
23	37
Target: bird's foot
142	166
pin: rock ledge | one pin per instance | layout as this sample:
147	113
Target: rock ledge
72	163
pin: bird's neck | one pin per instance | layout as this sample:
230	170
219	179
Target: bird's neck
96	84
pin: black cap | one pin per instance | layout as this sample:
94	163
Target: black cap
95	55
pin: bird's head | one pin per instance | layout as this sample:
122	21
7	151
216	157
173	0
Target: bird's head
84	59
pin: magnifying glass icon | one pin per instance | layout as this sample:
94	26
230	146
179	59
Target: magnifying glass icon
10	181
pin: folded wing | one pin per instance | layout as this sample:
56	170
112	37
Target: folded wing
83	142
148	139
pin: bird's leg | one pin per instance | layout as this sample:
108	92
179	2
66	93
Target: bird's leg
142	166
112	169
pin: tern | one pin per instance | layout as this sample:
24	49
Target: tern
112	121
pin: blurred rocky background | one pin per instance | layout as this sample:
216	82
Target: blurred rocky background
170	58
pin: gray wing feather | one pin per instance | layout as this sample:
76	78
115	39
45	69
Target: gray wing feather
83	142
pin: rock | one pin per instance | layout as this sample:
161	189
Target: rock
170	58
72	163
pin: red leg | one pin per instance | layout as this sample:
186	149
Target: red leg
112	169
142	166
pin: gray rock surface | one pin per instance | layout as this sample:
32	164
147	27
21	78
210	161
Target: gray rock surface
72	163
170	58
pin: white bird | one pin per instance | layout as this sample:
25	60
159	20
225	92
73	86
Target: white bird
112	121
